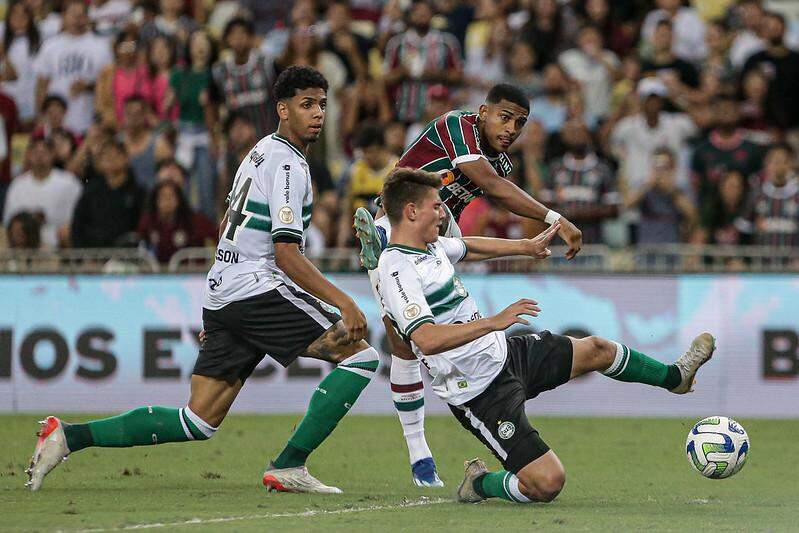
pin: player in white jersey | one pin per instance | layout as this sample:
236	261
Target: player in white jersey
484	377
262	297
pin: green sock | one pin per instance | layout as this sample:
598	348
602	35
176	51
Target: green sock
634	367
333	398
139	427
502	484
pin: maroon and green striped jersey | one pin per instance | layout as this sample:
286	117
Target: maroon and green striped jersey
444	143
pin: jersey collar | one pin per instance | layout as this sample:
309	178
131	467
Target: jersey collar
276	136
407	249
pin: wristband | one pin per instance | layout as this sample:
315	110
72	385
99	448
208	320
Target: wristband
552	217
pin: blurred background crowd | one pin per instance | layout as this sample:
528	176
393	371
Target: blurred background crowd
652	122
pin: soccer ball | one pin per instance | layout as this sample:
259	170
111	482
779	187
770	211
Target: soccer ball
717	447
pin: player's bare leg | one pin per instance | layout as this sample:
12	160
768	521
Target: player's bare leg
357	363
407	391
208	405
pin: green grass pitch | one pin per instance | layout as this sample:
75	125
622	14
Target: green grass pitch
622	475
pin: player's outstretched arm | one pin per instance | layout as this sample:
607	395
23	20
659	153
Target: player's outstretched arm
302	272
509	196
481	248
433	338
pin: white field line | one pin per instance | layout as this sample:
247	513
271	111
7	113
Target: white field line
421	502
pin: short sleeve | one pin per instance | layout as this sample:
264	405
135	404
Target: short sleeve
459	139
453	247
400	288
289	187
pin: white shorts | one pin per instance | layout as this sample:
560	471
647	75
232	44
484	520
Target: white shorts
452	231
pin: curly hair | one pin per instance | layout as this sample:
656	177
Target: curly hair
295	79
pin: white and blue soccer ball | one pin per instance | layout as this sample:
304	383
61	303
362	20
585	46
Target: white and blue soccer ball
717	447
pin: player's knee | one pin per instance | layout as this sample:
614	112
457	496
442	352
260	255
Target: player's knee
603	352
550	484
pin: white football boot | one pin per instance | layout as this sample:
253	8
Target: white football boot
474	469
296	479
699	353
51	450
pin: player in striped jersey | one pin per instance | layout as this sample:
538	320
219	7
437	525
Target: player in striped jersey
263	297
469	152
484	377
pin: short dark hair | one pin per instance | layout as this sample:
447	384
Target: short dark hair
295	79
172	162
54	99
370	134
781	147
238	22
511	93
406	185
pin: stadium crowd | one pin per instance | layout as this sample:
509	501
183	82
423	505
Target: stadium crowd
123	121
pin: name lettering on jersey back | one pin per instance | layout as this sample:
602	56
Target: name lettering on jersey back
227	256
402	294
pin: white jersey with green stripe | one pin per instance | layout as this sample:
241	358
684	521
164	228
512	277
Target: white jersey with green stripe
270	201
420	286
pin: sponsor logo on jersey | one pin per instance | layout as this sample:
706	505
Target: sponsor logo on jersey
462	384
506	430
447	177
286	215
227	256
411	311
287	186
404	296
256	158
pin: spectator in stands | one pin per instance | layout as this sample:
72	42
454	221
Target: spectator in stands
242	83
169	224
8	126
723	150
364	100
170	22
580	185
302	14
550	30
519	72
172	171
550	108
487	38
109	17
753	109
439	102
593	68
21	41
24	232
635	137
770	217
45	191
663	62
64	148
780	66
54	109
240	138
84	163
124	78
69	64
362	183
47	17
718	226
747	40
418	57
140	141
189	90
689	29
667	214
160	61
718	61
613	21
351	48
110	207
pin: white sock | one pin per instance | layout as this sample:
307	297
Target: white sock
407	392
515	492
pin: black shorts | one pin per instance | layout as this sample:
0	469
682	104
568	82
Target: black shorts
536	363
280	323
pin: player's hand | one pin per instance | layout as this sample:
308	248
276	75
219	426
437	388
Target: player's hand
538	246
571	235
354	323
512	314
201	337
